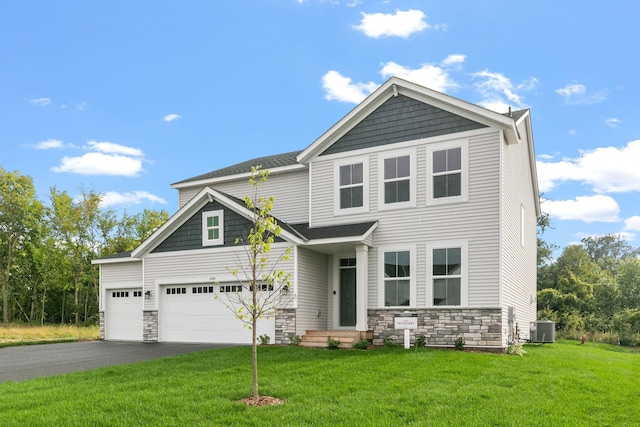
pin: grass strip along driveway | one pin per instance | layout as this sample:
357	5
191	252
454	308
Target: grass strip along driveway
553	385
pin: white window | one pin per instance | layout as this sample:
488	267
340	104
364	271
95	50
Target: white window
352	186
397	270
447	275
397	180
447	164
213	228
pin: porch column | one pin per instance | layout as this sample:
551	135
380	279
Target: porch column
362	294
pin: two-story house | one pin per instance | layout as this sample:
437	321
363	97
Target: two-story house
415	201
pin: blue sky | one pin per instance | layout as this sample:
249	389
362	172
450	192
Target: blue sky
125	98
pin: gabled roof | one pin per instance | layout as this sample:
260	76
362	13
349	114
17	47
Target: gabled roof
274	163
396	86
205	195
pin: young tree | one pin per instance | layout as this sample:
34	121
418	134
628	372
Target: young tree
259	272
20	212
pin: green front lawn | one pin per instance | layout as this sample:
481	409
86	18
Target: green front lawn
553	385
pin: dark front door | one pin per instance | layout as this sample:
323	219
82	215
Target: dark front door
348	292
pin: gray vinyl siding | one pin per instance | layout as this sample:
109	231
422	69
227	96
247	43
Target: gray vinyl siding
519	263
475	221
290	190
189	235
399	119
114	274
312	291
198	267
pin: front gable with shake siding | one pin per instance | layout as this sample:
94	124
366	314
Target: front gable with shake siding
413	202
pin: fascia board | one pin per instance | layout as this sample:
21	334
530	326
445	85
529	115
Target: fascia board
173	223
114	260
393	87
197	202
236	177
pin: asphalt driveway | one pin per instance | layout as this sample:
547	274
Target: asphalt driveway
32	361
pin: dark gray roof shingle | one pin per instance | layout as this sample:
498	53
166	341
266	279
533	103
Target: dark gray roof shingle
267	162
333	231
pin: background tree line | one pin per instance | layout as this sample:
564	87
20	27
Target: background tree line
46	249
591	289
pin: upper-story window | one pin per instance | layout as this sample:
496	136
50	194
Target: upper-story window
213	228
447	173
352	186
449	170
398	180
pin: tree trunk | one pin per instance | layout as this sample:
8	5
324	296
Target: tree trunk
254	345
44	297
5	283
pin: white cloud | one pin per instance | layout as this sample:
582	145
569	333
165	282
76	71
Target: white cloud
401	24
171	117
577	94
571	90
100	164
340	88
605	169
49	144
40	102
632	223
612	122
596	208
572	132
113	198
111	148
435	77
499	92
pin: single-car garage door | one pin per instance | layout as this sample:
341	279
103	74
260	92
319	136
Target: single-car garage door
190	313
123	314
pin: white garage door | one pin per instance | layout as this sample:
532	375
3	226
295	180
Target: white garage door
190	313
123	314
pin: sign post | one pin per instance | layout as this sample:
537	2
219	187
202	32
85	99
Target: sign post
406	321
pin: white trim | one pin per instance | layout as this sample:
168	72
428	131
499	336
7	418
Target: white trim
464	279
463	144
382	156
412	90
206	241
209	250
413	274
337	211
236	177
114	260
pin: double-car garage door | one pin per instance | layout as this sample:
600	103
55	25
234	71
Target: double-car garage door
186	313
191	313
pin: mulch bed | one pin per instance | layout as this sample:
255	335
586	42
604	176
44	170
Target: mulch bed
262	401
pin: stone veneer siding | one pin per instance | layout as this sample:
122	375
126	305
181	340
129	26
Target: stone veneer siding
285	325
150	325
479	327
101	323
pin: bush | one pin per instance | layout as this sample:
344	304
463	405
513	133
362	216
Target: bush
459	344
389	342
264	339
333	344
421	341
295	340
362	344
516	349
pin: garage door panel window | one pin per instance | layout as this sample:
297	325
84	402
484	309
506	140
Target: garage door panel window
176	291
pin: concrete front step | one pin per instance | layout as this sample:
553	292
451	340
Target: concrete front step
319	339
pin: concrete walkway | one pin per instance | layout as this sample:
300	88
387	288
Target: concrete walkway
32	361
